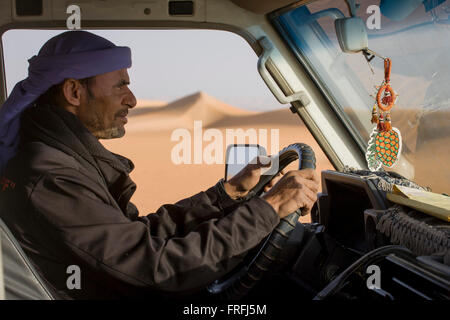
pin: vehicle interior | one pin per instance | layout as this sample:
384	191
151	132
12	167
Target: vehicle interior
325	74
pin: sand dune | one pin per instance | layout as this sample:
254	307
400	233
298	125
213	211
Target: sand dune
148	144
270	118
182	113
143	106
143	103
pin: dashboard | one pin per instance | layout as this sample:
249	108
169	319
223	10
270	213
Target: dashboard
343	236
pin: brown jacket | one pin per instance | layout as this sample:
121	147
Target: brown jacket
67	202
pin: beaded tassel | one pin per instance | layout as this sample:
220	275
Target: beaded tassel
387	124
374	114
380	123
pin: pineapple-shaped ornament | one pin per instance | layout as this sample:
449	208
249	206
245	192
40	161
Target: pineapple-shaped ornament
385	142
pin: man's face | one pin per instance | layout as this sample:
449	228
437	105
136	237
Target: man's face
105	104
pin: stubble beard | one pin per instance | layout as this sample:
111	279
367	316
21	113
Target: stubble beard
110	133
98	130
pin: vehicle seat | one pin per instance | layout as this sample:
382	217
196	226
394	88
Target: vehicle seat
19	280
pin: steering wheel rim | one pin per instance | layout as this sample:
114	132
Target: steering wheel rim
241	281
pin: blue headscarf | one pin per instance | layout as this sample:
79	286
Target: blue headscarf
72	54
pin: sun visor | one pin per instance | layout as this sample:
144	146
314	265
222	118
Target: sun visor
263	6
398	10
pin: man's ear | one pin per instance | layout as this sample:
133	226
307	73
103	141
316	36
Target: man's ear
72	91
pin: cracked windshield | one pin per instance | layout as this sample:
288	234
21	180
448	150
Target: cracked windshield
417	40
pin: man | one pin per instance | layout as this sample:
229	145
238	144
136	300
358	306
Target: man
67	199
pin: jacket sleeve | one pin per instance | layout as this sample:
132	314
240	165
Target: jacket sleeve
215	196
70	208
178	219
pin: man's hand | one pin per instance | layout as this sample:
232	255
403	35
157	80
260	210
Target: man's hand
296	189
240	184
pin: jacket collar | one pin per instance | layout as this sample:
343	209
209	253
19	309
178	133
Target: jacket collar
63	130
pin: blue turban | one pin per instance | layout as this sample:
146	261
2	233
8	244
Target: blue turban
72	54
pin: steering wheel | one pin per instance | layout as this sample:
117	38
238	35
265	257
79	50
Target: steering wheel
239	282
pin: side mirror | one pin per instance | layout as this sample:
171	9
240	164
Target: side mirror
239	155
351	34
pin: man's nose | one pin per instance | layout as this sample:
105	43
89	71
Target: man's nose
130	100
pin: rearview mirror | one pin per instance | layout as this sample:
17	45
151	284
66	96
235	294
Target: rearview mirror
351	34
239	155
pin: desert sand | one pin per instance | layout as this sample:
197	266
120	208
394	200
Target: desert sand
148	144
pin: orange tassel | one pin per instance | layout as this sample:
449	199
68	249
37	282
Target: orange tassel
387	126
387	123
381	123
374	118
374	114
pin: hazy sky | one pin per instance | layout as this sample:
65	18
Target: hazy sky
167	64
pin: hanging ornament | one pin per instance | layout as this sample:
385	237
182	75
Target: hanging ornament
385	143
